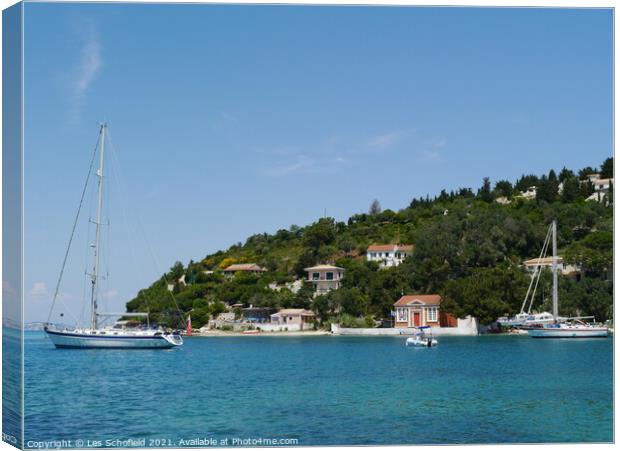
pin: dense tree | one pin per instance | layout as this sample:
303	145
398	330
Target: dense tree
176	271
607	168
320	233
375	208
484	193
566	174
594	252
586	188
525	182
587	296
350	301
547	188
503	188
571	190
487	293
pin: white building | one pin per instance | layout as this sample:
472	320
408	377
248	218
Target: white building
292	319
565	268
530	193
388	255
602	187
325	277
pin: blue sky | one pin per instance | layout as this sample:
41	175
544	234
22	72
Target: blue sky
232	120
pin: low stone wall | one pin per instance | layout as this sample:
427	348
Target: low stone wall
272	327
240	327
465	327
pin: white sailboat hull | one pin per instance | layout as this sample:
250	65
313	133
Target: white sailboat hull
80	340
568	332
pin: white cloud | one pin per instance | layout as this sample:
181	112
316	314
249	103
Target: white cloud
38	289
430	154
302	163
228	117
384	141
86	71
438	143
90	63
224	120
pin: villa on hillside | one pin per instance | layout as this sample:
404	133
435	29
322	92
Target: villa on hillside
248	268
529	194
565	268
414	310
602	187
325	278
388	255
593	177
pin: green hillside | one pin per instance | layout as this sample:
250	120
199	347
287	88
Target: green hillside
469	247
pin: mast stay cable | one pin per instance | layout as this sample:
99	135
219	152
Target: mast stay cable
125	195
536	272
544	253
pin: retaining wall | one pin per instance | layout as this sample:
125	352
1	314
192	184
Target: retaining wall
465	327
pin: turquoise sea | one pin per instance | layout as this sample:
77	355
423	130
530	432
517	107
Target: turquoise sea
322	391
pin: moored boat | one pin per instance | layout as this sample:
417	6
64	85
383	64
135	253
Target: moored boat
110	338
96	336
567	330
421	339
564	327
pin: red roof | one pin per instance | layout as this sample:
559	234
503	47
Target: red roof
244	267
426	299
391	247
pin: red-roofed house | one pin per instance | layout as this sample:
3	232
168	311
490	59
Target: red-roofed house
250	268
388	254
415	310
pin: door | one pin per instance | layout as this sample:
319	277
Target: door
416	319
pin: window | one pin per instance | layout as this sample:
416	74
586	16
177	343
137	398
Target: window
397	254
402	314
432	314
329	276
315	276
387	254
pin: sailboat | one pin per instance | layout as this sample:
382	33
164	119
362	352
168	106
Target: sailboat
118	336
568	327
524	318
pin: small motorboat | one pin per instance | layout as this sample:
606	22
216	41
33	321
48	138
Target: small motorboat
421	339
251	332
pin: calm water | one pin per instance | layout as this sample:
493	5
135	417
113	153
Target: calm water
325	390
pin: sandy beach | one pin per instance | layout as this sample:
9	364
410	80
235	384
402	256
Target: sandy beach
221	333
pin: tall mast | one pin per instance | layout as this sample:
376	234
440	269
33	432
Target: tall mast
95	273
555	269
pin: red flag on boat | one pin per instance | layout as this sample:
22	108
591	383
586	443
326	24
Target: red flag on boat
188	327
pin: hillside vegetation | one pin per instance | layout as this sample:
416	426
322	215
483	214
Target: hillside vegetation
469	247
